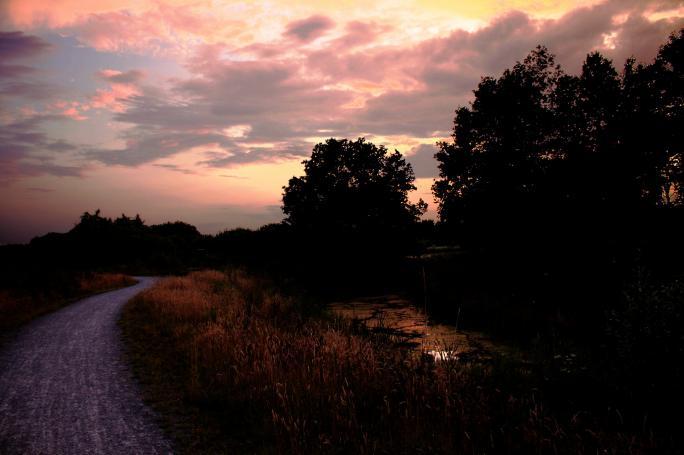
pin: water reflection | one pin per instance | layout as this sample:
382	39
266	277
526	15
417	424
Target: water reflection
411	327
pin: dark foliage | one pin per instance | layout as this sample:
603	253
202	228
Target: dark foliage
565	192
54	262
566	183
352	187
349	216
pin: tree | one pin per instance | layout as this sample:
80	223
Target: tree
537	140
570	181
501	145
352	188
669	84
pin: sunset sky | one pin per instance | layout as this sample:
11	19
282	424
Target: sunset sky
202	110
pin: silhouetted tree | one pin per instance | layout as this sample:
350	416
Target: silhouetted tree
537	139
668	78
565	183
349	216
500	148
352	187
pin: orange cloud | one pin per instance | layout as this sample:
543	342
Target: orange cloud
176	26
74	114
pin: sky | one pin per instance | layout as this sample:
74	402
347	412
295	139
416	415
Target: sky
201	111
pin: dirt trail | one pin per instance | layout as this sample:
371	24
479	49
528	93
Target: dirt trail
65	388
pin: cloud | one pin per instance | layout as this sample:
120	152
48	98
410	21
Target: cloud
13	71
159	28
17	80
359	33
25	150
17	45
442	72
122	86
282	102
422	159
246	155
147	145
269	104
118	77
31	90
175	168
271	100
309	29
61	145
114	98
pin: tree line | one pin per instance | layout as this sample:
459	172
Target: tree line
549	180
560	198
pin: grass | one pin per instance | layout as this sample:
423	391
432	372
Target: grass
19	306
234	366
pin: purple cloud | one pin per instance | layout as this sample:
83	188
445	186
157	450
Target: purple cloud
15	80
12	71
25	150
422	159
310	28
17	45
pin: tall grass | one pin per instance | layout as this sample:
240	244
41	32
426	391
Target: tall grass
247	360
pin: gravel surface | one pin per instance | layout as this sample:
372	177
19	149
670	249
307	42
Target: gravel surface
66	389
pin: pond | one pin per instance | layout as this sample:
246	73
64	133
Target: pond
411	327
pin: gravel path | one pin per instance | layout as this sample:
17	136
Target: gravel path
65	389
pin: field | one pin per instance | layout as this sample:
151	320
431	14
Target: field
233	365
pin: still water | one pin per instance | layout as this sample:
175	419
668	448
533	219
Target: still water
410	326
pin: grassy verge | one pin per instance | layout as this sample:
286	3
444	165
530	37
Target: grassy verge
234	366
19	306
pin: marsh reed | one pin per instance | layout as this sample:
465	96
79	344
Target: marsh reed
290	383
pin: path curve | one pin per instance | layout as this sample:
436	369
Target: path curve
65	387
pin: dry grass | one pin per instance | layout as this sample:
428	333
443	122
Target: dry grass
19	306
100	282
244	362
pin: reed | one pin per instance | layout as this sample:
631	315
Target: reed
245	353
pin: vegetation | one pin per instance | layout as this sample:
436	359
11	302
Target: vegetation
254	367
97	255
352	188
569	184
561	210
538	137
20	305
349	219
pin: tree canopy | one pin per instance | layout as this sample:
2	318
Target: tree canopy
537	139
568	185
352	187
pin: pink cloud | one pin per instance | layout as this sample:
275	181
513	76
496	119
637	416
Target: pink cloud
319	76
359	33
114	98
167	27
74	114
343	87
70	109
128	77
122	86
